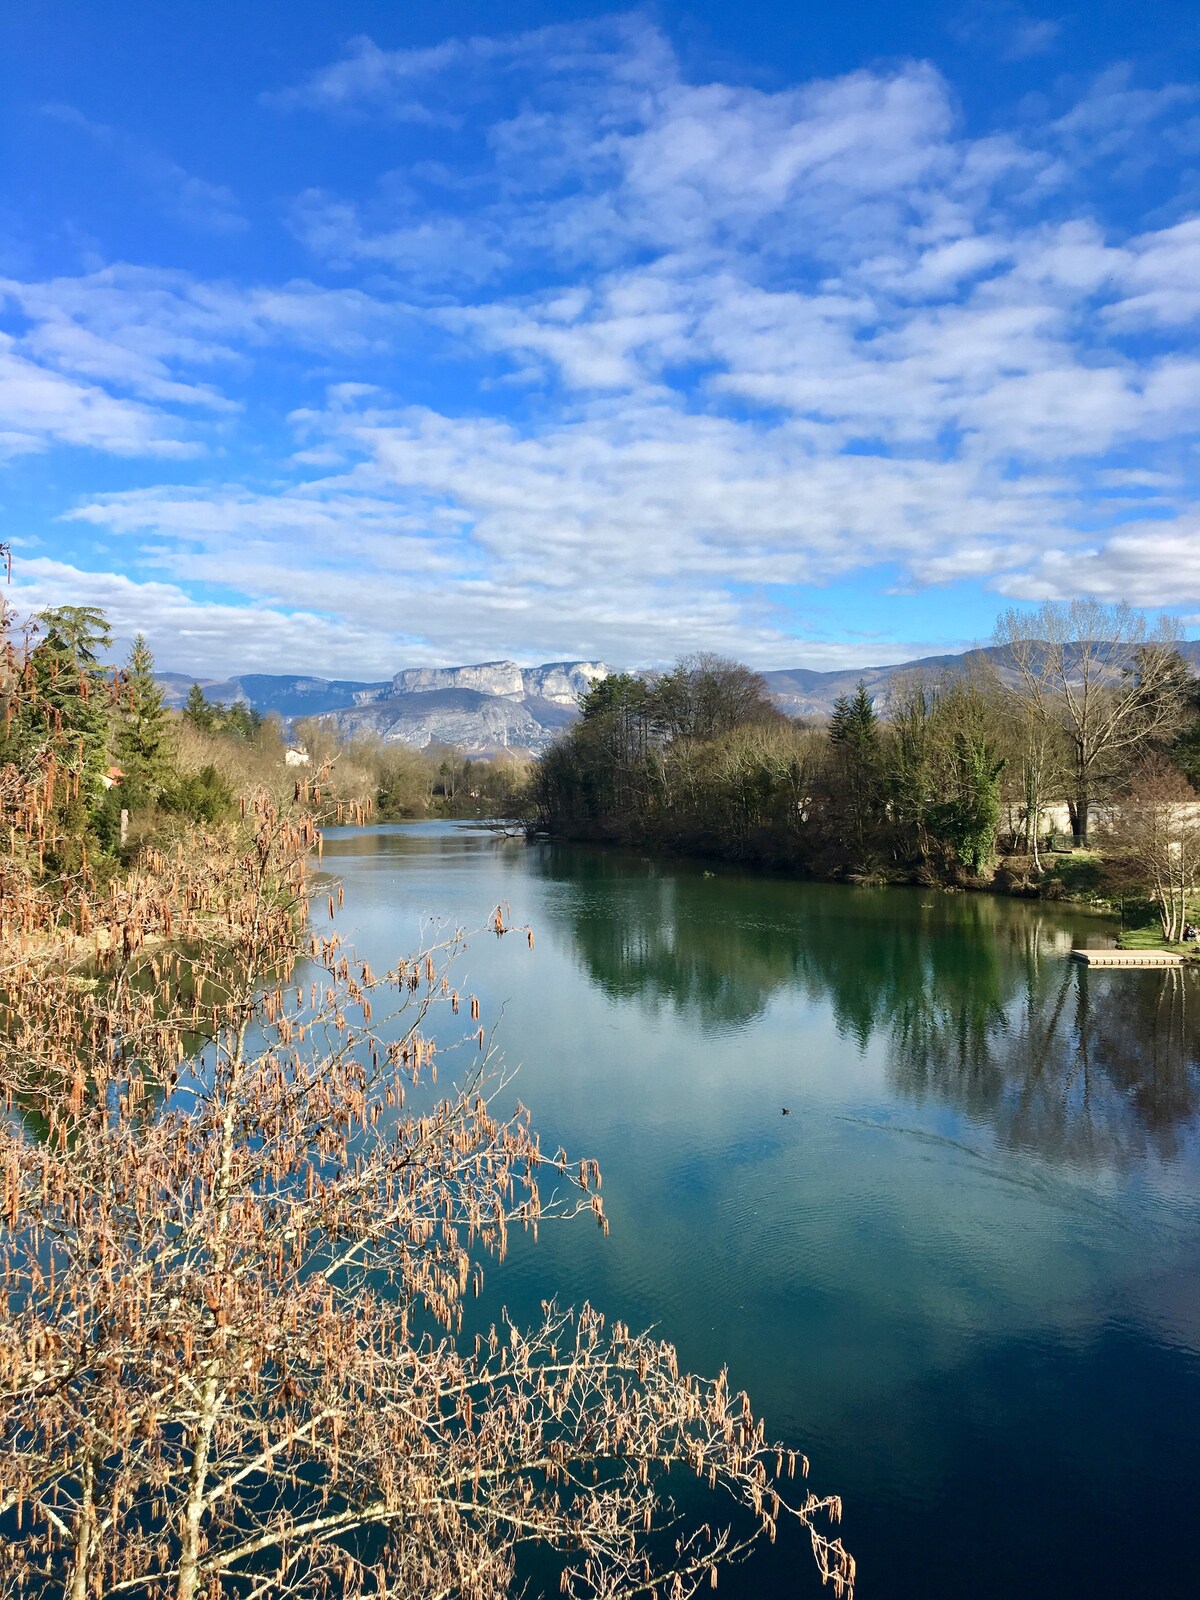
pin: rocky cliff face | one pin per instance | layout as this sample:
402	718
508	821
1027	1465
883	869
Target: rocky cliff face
495	705
563	682
487	677
489	706
474	722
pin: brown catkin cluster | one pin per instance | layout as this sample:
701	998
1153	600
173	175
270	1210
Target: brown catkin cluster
234	1261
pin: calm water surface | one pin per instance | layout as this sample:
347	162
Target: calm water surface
963	1273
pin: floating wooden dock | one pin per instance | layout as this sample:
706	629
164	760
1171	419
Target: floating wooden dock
1127	958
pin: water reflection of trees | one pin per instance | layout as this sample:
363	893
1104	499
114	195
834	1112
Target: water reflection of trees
974	996
670	939
1080	1066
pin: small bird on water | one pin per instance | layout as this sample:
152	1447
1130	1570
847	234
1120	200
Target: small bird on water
786	1112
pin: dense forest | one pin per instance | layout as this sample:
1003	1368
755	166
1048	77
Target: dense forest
1087	732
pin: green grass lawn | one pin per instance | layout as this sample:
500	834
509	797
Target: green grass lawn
1149	937
1080	875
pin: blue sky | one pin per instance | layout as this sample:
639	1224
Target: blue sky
343	337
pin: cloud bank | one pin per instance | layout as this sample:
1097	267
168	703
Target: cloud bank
643	366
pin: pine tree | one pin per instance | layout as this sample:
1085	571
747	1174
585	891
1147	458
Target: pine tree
143	727
854	725
79	632
56	728
201	713
858	802
65	712
241	720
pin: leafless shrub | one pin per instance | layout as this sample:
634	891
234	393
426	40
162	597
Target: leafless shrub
237	1227
1156	828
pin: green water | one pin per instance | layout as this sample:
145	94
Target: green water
963	1271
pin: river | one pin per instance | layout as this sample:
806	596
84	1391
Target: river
962	1272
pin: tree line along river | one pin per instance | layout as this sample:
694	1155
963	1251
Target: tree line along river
962	1272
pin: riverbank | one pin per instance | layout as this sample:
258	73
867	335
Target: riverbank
1075	877
942	1213
1149	940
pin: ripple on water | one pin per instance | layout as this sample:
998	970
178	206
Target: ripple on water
962	1272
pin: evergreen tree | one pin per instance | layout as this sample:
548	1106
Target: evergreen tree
857	801
80	633
1185	752
67	710
201	713
969	819
854	727
56	728
241	720
143	726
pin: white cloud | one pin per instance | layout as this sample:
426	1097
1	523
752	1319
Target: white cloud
422	245
838	251
1161	279
209	637
370	78
618	534
189	635
171	317
62	342
1147	563
712	344
108	359
399	85
1110	117
39	407
1006	29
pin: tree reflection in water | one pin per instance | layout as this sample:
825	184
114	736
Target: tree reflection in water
648	934
973	995
1078	1066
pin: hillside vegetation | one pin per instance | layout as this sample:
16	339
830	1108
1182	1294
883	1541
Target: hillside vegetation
116	769
1092	735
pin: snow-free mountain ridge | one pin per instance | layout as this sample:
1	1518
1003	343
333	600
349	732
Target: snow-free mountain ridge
497	705
481	708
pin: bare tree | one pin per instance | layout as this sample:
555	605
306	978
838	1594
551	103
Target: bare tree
706	695
1102	677
235	1258
1037	774
1157	828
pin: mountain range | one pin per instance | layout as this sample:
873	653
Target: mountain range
481	709
498	705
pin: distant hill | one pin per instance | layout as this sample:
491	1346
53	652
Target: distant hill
801	693
483	708
286	694
498	705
